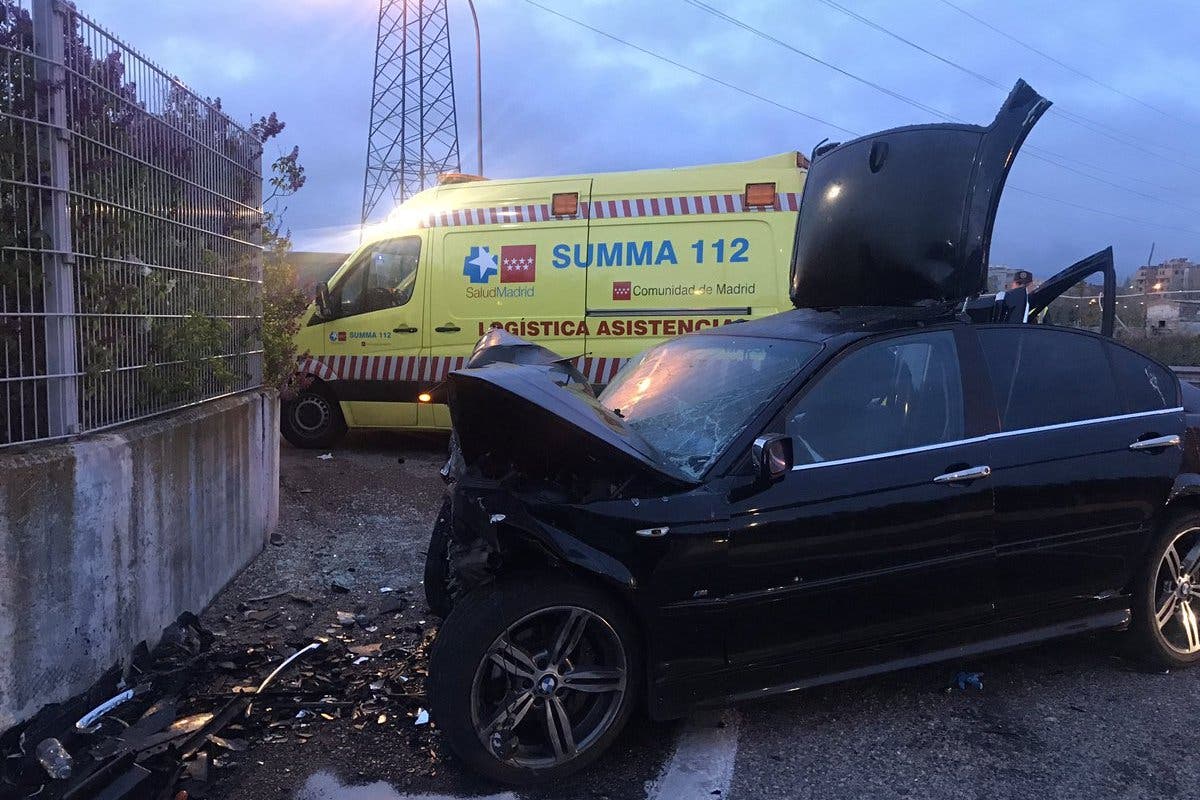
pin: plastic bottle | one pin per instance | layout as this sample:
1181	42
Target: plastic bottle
54	759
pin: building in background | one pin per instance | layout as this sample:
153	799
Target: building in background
1173	275
1172	302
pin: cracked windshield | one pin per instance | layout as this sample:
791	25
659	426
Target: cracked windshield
690	397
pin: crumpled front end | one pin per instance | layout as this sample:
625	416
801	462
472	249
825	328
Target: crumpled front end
513	524
529	447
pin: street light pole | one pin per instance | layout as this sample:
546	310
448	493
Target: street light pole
478	88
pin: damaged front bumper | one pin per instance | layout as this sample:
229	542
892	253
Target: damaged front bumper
493	529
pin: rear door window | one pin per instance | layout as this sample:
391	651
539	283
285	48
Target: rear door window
1043	377
1146	385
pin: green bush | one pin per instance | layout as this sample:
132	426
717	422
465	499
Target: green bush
1177	350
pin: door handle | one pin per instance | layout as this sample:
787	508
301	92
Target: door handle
964	475
1157	443
404	329
450	328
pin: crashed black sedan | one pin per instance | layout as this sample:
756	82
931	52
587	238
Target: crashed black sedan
894	473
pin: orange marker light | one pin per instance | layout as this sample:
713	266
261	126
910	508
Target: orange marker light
564	204
424	397
760	194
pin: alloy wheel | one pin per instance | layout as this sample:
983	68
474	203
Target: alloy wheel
549	687
1177	593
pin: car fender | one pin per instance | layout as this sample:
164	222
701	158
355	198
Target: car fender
490	524
565	548
1185	489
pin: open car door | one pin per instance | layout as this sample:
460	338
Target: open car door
1018	305
1053	287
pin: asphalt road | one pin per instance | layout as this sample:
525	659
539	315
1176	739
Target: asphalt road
1071	719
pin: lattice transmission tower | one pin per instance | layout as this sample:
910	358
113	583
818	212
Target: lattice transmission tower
414	129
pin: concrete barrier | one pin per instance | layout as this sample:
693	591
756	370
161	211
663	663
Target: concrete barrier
104	541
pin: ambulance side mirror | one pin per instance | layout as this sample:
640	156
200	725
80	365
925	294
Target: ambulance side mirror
323	301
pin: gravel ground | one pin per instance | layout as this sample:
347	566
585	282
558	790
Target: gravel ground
1065	720
360	520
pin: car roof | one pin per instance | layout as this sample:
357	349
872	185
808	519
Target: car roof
849	322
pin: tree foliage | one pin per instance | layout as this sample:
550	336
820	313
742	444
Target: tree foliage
283	302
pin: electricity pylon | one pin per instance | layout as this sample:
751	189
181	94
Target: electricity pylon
414	129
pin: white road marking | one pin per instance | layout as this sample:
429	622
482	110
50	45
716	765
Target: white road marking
323	786
702	766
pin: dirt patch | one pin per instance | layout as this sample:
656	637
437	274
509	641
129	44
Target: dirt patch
351	544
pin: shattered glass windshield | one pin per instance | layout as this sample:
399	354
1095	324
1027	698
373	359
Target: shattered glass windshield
690	397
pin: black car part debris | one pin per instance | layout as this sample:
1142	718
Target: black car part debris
184	713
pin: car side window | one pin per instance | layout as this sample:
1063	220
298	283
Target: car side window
1144	384
383	276
891	395
1047	377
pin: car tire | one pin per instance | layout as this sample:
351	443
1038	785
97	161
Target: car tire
437	565
1165	630
312	418
463	669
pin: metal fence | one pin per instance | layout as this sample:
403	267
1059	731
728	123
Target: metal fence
130	231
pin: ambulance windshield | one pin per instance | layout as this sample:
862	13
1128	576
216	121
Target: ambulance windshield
689	397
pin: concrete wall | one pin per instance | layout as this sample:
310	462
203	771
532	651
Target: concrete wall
104	541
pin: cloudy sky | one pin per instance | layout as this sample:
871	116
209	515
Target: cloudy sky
1119	162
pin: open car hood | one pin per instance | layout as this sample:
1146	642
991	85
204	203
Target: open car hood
904	217
528	415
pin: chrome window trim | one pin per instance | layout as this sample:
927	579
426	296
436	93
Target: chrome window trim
988	437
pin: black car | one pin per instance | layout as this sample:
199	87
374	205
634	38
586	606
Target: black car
894	473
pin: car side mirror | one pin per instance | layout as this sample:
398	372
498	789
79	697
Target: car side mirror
323	301
772	457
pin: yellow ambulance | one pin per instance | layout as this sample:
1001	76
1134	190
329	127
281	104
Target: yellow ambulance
595	267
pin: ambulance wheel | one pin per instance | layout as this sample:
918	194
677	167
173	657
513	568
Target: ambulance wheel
312	418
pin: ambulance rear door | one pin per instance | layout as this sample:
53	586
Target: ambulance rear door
669	262
497	266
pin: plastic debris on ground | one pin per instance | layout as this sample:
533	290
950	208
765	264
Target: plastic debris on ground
54	759
974	680
183	715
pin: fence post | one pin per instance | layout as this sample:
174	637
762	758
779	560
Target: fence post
258	365
58	260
